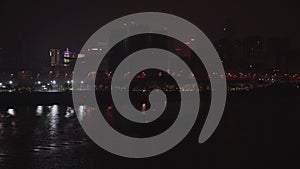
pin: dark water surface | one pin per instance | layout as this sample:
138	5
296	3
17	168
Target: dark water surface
259	129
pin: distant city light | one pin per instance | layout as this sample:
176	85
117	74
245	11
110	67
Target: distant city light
10	82
80	55
39	110
143	107
11	112
187	43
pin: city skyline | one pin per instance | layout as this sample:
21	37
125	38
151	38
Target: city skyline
30	29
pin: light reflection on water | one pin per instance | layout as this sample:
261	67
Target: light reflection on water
30	130
48	136
39	110
46	127
81	112
70	112
53	120
32	134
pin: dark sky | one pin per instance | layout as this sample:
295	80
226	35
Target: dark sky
28	29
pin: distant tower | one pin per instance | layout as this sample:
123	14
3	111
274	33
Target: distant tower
67	55
54	57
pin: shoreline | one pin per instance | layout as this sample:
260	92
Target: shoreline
65	98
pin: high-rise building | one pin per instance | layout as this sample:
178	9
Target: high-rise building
67	55
253	49
54	57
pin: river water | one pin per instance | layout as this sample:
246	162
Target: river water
258	130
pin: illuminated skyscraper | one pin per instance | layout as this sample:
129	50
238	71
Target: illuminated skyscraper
67	55
54	57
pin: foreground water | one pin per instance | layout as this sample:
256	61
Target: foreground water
258	130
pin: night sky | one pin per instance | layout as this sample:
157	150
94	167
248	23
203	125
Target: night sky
28	29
